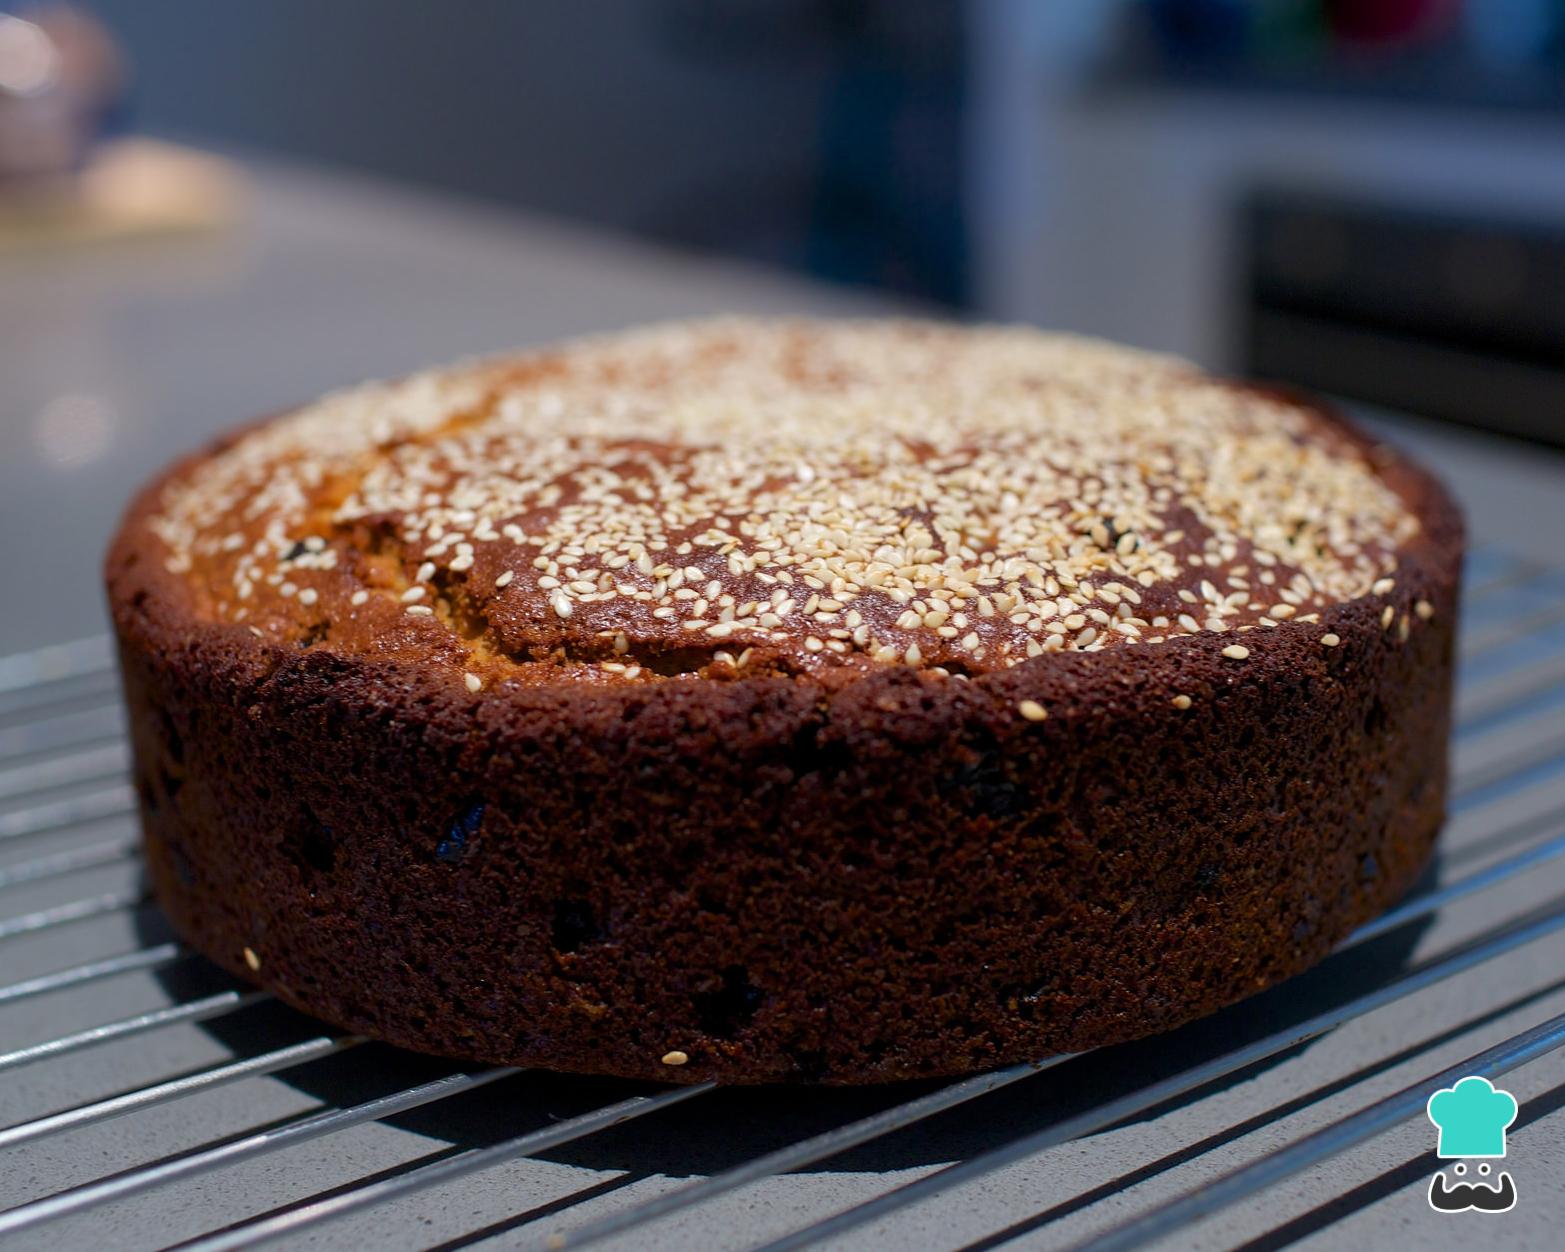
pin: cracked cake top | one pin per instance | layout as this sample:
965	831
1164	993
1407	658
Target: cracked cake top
733	496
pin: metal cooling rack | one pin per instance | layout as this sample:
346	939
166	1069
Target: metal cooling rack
149	1101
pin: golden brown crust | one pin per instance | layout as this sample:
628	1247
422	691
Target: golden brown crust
848	872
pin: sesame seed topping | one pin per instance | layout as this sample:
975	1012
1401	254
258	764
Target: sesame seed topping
676	1057
1181	702
1424	609
865	493
1236	652
1330	640
1032	710
252	960
1387	616
473	681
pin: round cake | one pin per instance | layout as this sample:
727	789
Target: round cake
786	701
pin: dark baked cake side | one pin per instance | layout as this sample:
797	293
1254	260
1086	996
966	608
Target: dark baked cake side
845	877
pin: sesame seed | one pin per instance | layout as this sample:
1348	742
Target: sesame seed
426	571
359	597
676	1057
1330	640
473	681
1424	609
1384	586
309	596
1236	652
1387	616
1032	710
252	960
505	579
412	594
1181	702
420	610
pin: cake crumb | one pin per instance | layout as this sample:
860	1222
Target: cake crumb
1330	641
473	681
252	960
1182	702
1236	652
1404	628
675	1057
1032	710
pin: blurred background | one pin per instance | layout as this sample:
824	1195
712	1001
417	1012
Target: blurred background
213	210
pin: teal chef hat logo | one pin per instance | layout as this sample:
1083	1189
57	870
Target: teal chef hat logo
1471	1118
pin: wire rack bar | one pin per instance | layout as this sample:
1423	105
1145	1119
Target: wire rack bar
93	856
1325	1143
158	956
103	724
1483	642
75	810
1482	702
199	1010
300	1130
1518	569
73	911
798	1155
175	1088
55	663
90	765
249	1234
93	688
1486	947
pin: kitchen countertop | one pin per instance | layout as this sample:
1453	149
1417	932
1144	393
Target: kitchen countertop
112	359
